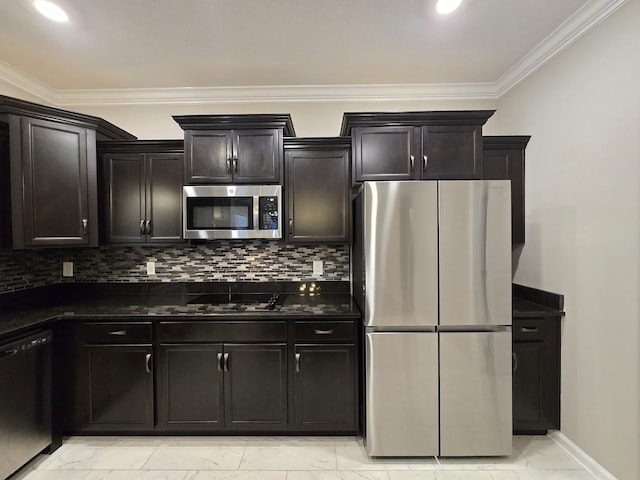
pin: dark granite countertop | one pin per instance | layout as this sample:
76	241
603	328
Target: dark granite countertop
534	303
16	318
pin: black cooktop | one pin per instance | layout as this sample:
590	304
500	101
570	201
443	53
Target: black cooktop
241	301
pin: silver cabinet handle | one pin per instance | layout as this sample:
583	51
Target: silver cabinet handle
424	162
529	329
119	333
142	227
317	331
298	355
9	353
226	362
291	226
220	367
413	161
147	227
147	362
85	226
235	165
514	362
228	166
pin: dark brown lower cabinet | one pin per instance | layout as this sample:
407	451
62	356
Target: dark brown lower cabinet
210	376
119	387
536	375
190	390
255	387
239	387
325	388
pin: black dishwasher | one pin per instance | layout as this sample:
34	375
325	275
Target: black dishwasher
25	399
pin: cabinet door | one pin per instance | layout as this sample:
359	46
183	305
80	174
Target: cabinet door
509	165
120	387
257	156
59	181
451	152
208	156
318	196
255	387
384	153
125	186
164	175
190	394
325	387
536	375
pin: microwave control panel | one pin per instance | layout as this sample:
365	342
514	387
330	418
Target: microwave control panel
268	207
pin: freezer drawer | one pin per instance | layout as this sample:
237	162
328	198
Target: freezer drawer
401	394
475	393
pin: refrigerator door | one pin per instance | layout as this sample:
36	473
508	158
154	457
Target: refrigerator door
400	254
475	252
475	393
401	394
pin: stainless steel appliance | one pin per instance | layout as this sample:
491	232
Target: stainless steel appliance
25	400
232	211
432	276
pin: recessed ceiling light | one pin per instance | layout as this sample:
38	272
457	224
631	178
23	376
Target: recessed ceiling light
51	11
447	6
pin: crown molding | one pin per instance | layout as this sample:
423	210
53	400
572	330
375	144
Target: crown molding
25	82
583	20
588	16
278	93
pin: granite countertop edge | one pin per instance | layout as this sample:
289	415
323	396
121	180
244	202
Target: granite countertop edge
16	321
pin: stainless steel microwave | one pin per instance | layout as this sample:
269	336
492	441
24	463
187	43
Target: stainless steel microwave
232	211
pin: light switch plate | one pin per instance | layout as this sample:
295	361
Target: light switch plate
317	267
67	269
151	268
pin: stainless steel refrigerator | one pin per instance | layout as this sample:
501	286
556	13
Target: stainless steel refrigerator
432	276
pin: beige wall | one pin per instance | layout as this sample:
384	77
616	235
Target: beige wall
583	227
310	119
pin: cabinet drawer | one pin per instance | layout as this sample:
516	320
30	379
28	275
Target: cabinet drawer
120	332
196	332
532	329
320	331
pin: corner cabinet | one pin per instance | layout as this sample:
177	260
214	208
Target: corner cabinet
439	145
142	191
52	175
536	375
243	149
318	190
504	160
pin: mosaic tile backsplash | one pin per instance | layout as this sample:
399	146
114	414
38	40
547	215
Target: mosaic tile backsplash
255	260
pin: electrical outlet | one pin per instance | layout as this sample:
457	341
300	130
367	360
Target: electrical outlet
151	268
67	269
317	267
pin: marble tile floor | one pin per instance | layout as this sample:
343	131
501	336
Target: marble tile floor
285	458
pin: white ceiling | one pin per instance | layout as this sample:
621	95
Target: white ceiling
172	44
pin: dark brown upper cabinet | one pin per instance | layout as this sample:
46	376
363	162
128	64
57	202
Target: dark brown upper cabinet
49	168
416	145
318	190
142	191
241	149
504	160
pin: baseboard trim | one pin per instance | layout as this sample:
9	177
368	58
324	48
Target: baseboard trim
593	467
